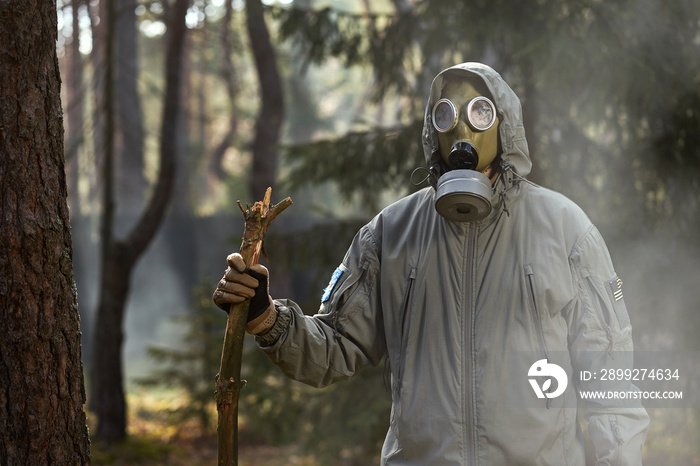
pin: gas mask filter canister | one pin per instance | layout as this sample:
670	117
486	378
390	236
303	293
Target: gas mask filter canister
463	195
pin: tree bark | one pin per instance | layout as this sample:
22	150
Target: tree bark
271	116
228	380
41	382
119	256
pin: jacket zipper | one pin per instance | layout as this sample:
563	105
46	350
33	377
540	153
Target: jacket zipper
469	409
536	315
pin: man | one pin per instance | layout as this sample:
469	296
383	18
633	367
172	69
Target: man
473	288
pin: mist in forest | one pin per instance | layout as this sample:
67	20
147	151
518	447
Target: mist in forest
614	128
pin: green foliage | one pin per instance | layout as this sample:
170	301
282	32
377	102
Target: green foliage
674	435
678	164
132	450
609	93
192	365
274	409
363	163
349	419
319	247
324	32
346	421
382	41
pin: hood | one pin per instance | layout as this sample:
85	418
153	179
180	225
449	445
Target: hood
511	132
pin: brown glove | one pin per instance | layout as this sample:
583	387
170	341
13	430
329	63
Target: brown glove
238	285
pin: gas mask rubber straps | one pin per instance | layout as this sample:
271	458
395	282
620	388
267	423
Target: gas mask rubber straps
467	126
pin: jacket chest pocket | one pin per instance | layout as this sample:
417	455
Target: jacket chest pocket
405	323
535	309
343	292
606	306
400	358
614	290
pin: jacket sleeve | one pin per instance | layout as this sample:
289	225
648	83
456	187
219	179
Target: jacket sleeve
346	334
600	340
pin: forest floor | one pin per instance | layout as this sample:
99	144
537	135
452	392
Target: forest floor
153	439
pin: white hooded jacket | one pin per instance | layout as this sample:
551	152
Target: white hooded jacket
464	310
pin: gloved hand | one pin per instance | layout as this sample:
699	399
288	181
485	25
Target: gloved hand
238	285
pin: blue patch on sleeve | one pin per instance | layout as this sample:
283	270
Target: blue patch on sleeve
329	289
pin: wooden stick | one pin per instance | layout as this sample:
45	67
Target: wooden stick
228	380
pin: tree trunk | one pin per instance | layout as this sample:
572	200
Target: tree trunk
119	256
228	73
181	204
41	382
98	21
131	180
107	387
74	111
531	118
111	412
271	116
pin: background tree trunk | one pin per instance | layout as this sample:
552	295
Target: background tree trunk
41	382
531	117
229	75
119	256
74	110
271	116
131	181
98	20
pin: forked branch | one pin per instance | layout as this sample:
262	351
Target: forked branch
228	380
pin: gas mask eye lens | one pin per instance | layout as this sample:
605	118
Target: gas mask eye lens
444	115
481	113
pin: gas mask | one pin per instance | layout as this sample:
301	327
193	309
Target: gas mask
467	127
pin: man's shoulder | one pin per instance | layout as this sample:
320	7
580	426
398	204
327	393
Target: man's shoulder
406	212
554	210
546	199
409	201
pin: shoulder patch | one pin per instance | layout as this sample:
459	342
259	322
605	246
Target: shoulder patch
331	284
616	288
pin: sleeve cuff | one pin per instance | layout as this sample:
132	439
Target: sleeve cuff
284	317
